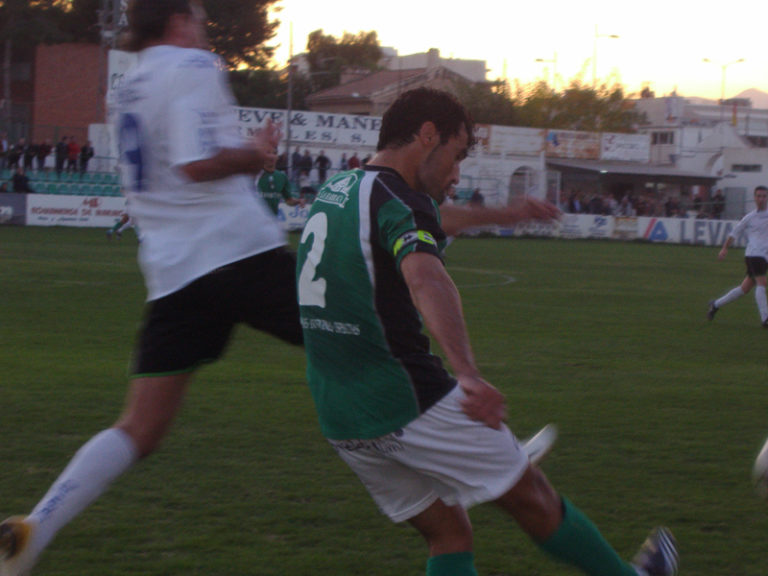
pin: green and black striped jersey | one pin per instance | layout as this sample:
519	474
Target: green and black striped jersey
369	366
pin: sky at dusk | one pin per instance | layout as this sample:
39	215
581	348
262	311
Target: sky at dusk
661	44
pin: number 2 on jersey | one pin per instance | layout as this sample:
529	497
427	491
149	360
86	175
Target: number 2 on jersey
311	290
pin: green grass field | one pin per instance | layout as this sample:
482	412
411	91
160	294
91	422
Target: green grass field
660	413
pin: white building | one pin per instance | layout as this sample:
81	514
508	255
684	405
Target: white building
728	140
472	70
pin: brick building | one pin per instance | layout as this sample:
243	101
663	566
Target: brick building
69	88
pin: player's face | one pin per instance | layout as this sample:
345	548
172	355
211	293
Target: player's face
761	199
439	173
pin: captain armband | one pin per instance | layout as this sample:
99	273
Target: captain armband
413	237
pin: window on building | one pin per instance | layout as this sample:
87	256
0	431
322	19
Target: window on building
662	138
746	168
758	141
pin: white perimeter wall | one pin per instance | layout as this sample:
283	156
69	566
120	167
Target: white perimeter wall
100	211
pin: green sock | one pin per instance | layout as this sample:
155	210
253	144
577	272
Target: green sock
578	542
457	564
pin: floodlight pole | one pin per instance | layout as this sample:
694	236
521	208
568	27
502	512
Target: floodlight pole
723	68
554	69
289	107
594	54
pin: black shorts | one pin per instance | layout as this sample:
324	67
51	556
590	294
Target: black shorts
756	266
192	326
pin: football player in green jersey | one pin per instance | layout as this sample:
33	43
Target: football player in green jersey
274	187
426	443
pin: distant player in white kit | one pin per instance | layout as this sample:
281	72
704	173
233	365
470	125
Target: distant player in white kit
755	226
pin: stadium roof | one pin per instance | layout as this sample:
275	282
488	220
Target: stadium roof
633	170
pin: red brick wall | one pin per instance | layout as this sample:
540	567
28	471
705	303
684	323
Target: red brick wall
70	84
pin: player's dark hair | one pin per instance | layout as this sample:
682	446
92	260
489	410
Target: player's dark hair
147	20
407	114
761	188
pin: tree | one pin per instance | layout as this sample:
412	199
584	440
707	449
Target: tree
27	23
489	103
23	25
328	56
239	29
578	107
268	89
81	22
537	105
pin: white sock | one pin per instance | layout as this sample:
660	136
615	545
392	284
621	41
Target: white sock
762	303
97	464
729	297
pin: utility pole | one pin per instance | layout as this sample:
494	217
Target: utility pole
723	68
289	107
594	54
553	61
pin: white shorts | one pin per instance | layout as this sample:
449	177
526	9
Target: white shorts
442	454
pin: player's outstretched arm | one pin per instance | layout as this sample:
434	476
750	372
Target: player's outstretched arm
455	219
435	296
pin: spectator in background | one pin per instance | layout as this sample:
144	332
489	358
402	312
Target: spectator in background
295	165
3	150
322	163
354	161
306	163
698	205
15	154
574	204
477	198
306	191
86	153
30	151
62	149
642	207
625	207
344	163
43	151
595	204
282	162
671	207
718	204
73	155
21	181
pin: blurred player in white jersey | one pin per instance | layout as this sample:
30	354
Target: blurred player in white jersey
212	254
